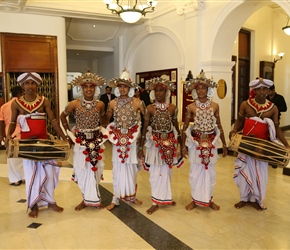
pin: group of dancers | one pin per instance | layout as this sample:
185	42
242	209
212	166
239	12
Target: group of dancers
157	143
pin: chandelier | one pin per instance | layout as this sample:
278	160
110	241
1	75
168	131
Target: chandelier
130	10
287	28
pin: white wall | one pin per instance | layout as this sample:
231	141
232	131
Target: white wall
41	25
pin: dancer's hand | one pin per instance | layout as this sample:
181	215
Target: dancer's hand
140	153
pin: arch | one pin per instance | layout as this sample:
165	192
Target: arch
228	23
137	41
217	51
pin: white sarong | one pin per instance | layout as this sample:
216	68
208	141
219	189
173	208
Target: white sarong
160	173
41	179
250	175
15	169
124	174
88	180
202	180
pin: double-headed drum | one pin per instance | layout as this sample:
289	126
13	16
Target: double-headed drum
260	149
38	149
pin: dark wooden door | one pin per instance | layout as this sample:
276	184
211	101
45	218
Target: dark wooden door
244	66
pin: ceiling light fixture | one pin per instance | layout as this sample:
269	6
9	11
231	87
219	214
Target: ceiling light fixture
130	10
287	27
281	54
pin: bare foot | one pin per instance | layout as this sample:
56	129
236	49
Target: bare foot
111	206
80	206
34	212
241	204
137	202
214	206
257	206
18	183
190	206
101	206
173	203
55	208
152	209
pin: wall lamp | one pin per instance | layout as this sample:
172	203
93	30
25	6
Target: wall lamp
287	27
281	54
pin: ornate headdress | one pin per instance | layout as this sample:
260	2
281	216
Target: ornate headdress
158	81
88	77
29	76
191	85
124	79
200	79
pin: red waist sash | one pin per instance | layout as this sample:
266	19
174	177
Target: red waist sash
256	129
37	129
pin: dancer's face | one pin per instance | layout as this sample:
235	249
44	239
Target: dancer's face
261	94
124	90
89	91
201	91
160	94
30	87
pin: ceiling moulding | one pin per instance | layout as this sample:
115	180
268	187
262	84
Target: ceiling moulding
90	48
76	14
12	6
189	7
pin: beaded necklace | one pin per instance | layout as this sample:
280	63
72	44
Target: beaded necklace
203	105
88	104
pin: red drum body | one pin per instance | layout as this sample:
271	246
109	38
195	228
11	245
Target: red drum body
260	149
38	149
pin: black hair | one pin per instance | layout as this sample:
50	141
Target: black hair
16	90
142	85
272	87
108	87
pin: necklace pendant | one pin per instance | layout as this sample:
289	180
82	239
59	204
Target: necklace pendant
203	105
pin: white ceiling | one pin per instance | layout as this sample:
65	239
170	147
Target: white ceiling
91	28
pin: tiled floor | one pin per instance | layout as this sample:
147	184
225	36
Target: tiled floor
129	227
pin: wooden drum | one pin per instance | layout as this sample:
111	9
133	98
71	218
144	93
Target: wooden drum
38	149
260	149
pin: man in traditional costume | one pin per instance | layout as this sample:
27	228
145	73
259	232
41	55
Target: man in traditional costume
41	177
260	118
89	137
201	140
15	166
162	135
123	134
